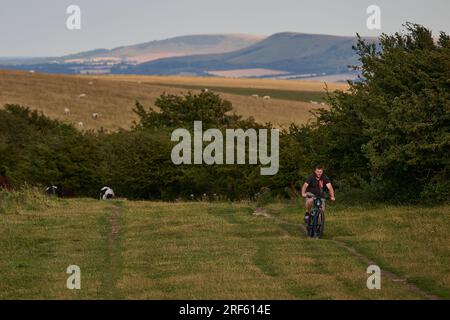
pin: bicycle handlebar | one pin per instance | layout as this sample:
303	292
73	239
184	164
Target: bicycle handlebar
312	195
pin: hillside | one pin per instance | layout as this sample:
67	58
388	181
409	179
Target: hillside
177	46
113	97
147	51
295	53
285	55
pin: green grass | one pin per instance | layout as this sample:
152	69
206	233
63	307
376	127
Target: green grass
412	241
293	95
209	251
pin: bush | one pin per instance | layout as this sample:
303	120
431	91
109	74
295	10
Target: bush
28	198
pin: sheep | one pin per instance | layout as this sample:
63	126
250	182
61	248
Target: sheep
313	102
66	111
81	124
266	97
106	193
95	115
83	95
32	71
59	191
255	96
205	90
91	83
54	190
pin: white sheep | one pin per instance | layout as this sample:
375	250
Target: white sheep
81	124
91	83
106	193
266	97
66	111
255	96
83	95
95	115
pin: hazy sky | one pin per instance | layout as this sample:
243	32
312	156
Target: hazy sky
38	28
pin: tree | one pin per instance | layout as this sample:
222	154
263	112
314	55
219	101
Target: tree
394	122
180	111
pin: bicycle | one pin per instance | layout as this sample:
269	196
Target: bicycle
316	221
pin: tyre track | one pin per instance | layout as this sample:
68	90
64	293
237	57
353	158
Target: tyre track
353	252
113	255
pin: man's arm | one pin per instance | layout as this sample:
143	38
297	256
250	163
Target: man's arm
305	185
330	188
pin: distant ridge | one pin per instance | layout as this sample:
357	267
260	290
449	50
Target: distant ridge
288	51
181	45
285	55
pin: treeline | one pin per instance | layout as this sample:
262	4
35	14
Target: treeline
387	138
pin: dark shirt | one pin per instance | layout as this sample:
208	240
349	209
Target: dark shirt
316	186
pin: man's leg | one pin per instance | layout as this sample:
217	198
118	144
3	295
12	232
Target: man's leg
308	206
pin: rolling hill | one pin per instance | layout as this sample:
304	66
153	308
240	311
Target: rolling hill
151	50
284	55
294	53
178	46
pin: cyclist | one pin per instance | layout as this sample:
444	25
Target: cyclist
313	186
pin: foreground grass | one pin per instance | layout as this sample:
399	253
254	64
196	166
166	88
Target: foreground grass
221	251
412	241
157	250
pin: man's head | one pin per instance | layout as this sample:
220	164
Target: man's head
318	171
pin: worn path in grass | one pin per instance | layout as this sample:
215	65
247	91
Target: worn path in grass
113	252
158	250
220	251
358	255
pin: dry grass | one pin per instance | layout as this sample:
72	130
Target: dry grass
113	97
300	85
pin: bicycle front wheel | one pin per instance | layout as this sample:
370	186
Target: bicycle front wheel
320	223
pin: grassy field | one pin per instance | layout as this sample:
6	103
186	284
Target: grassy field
270	84
113	97
199	250
291	95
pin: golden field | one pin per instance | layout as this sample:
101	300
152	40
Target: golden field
113	97
300	85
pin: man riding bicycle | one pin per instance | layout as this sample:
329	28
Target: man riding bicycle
313	187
